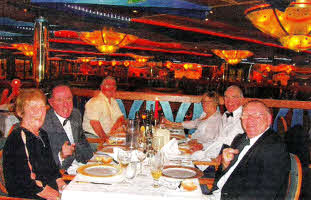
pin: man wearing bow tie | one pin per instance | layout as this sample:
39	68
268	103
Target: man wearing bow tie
63	123
257	164
231	122
230	126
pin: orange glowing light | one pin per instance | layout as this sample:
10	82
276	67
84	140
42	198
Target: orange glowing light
27	49
291	27
232	57
107	41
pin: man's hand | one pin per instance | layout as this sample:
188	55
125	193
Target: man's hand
67	150
227	156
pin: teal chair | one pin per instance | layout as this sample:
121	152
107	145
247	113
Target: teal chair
295	178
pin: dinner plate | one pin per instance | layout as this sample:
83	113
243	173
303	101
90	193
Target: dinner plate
109	148
181	172
178	137
100	170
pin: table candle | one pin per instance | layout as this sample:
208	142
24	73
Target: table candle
156	109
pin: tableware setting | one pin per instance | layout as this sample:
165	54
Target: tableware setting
100	173
181	172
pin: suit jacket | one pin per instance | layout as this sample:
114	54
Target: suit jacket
58	136
262	173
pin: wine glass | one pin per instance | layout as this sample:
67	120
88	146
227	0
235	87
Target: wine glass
124	158
156	167
141	154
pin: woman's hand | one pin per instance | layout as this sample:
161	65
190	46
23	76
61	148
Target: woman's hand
49	193
61	184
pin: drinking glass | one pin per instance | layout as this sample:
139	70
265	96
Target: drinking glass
131	171
132	132
156	167
124	158
141	154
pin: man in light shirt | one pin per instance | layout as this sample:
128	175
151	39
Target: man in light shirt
102	116
63	123
260	169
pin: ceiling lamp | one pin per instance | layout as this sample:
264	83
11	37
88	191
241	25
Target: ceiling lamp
232	57
27	49
292	27
107	41
141	59
85	59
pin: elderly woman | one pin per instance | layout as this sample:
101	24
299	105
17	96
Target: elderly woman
207	125
28	165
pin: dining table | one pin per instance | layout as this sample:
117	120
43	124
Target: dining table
85	185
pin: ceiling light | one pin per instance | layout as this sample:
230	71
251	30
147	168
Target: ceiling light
292	27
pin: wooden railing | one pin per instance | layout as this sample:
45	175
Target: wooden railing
178	104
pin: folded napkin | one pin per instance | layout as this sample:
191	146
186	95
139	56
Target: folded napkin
170	150
116	150
72	170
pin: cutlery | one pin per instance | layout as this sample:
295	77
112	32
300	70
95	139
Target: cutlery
93	182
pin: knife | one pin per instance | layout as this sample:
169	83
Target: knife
93	182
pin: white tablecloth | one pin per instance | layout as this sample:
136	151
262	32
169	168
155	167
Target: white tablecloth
7	120
140	189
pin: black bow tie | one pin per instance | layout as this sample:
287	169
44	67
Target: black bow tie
229	114
65	121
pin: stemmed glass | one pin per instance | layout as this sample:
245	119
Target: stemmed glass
141	154
156	167
124	158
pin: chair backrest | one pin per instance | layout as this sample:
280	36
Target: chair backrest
3	190
295	179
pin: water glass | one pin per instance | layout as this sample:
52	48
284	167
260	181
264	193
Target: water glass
132	132
130	172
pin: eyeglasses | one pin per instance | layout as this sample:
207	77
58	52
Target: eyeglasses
252	115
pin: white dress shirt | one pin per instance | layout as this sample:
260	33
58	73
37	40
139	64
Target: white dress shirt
68	131
229	128
207	130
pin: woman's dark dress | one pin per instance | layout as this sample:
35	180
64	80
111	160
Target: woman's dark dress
16	170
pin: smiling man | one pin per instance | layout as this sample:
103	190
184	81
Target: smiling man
102	116
257	164
63	123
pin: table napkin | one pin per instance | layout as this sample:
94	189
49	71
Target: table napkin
170	150
116	151
72	170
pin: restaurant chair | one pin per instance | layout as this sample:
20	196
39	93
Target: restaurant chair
207	181
295	179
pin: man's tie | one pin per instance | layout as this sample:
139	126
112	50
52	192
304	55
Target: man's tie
240	147
229	114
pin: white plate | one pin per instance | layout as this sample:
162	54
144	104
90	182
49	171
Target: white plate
181	172
100	170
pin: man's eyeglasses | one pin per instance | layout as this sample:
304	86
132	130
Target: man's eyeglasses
253	116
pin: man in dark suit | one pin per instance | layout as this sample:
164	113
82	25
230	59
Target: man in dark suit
257	164
63	123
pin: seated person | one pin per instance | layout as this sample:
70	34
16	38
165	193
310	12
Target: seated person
257	164
207	125
102	116
28	164
63	124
